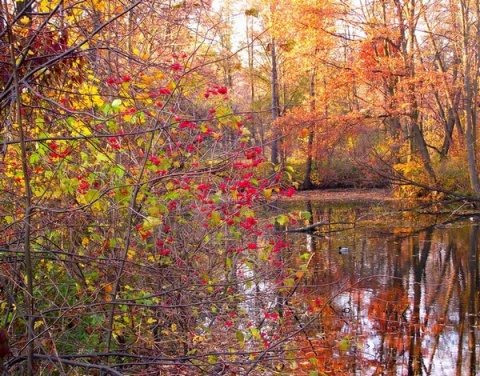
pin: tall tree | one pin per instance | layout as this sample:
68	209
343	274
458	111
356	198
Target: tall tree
469	19
275	99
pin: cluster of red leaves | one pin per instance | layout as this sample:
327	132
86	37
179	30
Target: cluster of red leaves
58	153
216	90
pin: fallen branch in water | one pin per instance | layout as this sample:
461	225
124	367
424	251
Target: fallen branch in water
309	228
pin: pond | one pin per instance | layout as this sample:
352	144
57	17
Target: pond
381	291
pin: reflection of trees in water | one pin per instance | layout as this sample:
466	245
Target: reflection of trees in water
407	302
473	307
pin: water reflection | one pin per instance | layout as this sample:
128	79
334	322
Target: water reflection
405	299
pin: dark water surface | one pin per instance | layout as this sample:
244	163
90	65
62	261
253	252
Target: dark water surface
404	299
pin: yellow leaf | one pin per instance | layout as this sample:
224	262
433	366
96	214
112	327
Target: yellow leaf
299	274
268	193
147	80
152	221
99	5
215	217
44	6
97	206
143	96
153	211
24	20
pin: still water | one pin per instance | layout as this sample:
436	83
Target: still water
402	296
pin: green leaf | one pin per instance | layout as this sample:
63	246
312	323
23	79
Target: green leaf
40	122
92	195
112	126
107	109
34	158
162	208
171	195
240	336
344	344
102	158
116	103
119	171
306	214
282	219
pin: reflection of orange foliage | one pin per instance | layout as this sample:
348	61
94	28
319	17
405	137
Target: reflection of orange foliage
388	309
436	328
308	360
338	348
321	354
392	341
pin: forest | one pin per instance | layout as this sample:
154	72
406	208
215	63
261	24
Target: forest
145	147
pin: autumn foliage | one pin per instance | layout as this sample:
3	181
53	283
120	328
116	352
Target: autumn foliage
140	169
132	234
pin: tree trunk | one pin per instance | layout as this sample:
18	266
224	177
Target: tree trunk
275	103
470	84
417	144
307	181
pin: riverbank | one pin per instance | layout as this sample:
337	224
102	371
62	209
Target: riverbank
343	195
